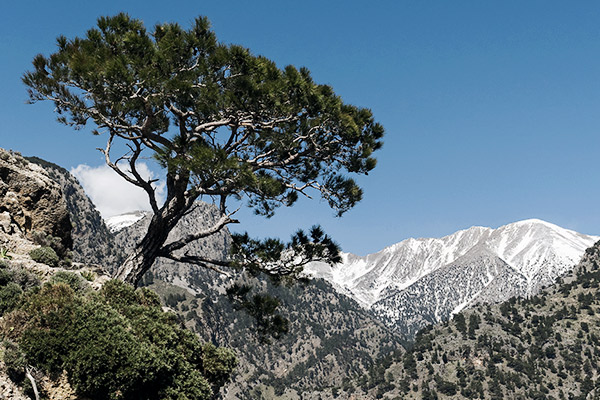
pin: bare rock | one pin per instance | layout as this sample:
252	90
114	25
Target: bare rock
59	388
8	389
30	201
93	243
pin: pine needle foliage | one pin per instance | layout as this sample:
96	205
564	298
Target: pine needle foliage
222	122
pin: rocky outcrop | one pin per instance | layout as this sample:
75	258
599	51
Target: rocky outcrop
30	202
8	389
92	241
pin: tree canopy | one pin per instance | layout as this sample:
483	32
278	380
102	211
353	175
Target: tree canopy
225	125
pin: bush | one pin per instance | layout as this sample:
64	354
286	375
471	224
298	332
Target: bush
76	282
14	359
119	344
46	240
45	255
218	363
88	275
24	278
10	296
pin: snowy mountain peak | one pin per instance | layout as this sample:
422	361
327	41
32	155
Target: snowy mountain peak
536	249
532	221
118	222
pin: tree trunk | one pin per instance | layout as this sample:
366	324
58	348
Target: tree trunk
143	255
148	250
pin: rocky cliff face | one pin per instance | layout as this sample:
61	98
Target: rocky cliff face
92	241
30	202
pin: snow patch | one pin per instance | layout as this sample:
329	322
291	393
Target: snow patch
532	247
118	222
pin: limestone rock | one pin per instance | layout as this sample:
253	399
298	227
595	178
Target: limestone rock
92	241
30	201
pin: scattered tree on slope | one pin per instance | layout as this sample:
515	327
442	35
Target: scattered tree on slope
545	347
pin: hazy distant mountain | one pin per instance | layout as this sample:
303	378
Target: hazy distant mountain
421	281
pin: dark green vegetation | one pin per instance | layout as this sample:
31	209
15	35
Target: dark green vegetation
222	122
545	347
45	255
113	344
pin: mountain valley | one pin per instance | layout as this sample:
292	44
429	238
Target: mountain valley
349	327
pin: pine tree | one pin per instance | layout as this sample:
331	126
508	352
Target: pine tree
223	123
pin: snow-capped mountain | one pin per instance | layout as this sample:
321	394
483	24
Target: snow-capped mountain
118	222
420	281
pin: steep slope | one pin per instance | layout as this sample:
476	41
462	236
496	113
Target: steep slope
31	204
545	347
330	336
92	241
479	276
398	266
421	281
539	250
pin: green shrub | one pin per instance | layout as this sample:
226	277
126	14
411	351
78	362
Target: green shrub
76	282
119	344
66	263
218	363
88	275
10	296
46	240
6	276
12	284
24	278
45	255
15	362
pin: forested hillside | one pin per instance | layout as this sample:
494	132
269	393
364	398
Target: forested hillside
544	347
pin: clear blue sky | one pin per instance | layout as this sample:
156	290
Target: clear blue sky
492	109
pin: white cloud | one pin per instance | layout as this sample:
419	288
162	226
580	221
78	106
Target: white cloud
113	195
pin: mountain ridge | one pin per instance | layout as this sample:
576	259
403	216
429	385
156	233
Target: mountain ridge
311	359
528	255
